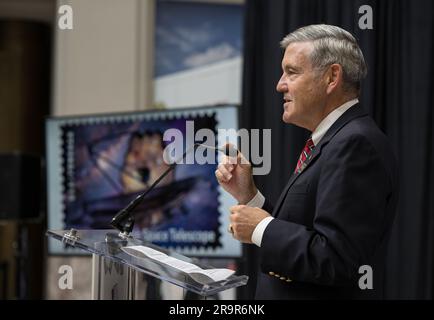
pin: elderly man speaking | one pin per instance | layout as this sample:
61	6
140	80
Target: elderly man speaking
333	217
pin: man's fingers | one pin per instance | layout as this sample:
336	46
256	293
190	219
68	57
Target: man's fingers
237	208
242	160
229	160
229	167
220	177
239	159
226	170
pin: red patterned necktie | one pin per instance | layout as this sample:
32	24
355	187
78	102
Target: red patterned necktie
305	154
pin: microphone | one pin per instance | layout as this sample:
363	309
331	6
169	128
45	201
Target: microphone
124	219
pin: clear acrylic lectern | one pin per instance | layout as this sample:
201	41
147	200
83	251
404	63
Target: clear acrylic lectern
118	260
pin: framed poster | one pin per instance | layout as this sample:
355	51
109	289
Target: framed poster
96	165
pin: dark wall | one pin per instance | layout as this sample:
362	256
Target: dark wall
398	94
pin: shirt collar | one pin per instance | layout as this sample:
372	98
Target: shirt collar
331	118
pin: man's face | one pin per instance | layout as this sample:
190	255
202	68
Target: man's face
303	90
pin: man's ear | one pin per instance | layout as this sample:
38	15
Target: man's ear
334	77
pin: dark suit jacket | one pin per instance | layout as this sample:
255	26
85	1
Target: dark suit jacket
333	217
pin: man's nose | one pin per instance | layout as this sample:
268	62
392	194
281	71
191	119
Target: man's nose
281	86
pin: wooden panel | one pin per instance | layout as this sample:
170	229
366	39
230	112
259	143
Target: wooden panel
24	85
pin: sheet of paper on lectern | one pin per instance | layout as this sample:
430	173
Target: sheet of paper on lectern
197	273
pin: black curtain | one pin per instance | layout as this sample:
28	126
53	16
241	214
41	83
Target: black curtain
398	94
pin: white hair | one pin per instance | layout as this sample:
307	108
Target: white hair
331	45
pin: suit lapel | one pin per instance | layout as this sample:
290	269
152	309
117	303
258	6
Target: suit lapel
315	154
352	113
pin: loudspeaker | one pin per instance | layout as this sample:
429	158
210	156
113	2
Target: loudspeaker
20	186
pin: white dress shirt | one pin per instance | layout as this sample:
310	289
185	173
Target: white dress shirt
258	200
